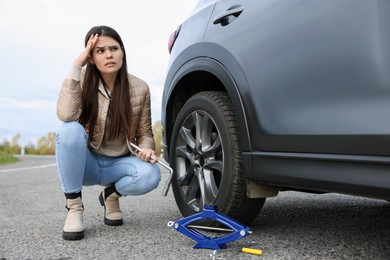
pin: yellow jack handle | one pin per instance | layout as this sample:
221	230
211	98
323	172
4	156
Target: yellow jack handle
252	251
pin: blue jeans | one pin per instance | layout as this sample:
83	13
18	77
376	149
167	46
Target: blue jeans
78	166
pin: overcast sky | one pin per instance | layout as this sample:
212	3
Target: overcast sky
39	39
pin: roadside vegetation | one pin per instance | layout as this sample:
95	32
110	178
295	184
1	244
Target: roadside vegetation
46	145
6	158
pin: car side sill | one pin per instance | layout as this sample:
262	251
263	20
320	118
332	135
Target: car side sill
349	174
326	157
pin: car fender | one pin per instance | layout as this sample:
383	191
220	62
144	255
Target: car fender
185	73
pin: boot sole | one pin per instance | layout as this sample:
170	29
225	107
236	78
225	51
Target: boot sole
109	222
72	235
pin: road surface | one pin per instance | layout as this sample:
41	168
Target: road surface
291	226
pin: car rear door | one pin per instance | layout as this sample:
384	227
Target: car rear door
313	75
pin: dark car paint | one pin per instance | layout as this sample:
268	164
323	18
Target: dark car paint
310	83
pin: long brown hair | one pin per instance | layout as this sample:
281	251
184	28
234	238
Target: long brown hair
120	109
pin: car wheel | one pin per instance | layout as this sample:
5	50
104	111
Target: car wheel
205	155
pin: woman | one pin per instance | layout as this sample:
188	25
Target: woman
104	109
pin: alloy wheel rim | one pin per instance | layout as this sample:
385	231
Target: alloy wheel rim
199	160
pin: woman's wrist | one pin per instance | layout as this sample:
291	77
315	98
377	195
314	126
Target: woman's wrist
75	72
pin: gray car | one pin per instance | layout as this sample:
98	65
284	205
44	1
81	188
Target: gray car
264	96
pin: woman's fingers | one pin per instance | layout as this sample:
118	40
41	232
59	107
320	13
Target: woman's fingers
85	55
147	155
92	41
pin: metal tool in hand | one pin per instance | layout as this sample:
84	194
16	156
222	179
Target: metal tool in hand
165	165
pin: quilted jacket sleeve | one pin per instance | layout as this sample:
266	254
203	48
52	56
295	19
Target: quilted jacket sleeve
144	131
141	127
69	99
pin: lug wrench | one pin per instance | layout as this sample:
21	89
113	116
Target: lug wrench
168	182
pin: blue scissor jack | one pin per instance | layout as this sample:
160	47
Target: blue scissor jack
237	229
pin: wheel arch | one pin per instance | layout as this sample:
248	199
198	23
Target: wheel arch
197	75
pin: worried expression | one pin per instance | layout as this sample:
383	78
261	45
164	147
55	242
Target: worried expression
107	55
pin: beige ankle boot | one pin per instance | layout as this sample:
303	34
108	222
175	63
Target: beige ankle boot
73	228
112	212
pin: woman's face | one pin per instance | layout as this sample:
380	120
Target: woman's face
107	55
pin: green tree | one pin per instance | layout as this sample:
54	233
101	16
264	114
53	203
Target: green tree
15	147
30	148
157	132
12	147
47	144
5	144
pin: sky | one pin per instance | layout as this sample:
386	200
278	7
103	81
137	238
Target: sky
40	39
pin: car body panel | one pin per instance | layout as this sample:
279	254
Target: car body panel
188	46
310	84
309	79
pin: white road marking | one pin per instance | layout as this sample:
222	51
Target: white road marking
29	168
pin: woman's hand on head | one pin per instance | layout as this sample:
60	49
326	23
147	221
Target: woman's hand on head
147	155
85	55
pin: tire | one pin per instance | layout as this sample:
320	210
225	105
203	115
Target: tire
205	155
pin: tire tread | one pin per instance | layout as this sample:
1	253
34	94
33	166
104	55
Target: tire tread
238	206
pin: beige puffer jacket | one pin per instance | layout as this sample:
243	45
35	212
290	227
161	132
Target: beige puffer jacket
69	109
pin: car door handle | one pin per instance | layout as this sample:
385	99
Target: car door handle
222	18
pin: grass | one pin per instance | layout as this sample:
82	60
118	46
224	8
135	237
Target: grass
6	158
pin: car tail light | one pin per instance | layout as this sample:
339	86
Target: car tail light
172	39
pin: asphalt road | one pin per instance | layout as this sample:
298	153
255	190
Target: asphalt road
291	226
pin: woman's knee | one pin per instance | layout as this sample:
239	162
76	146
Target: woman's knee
71	133
152	177
140	183
149	178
